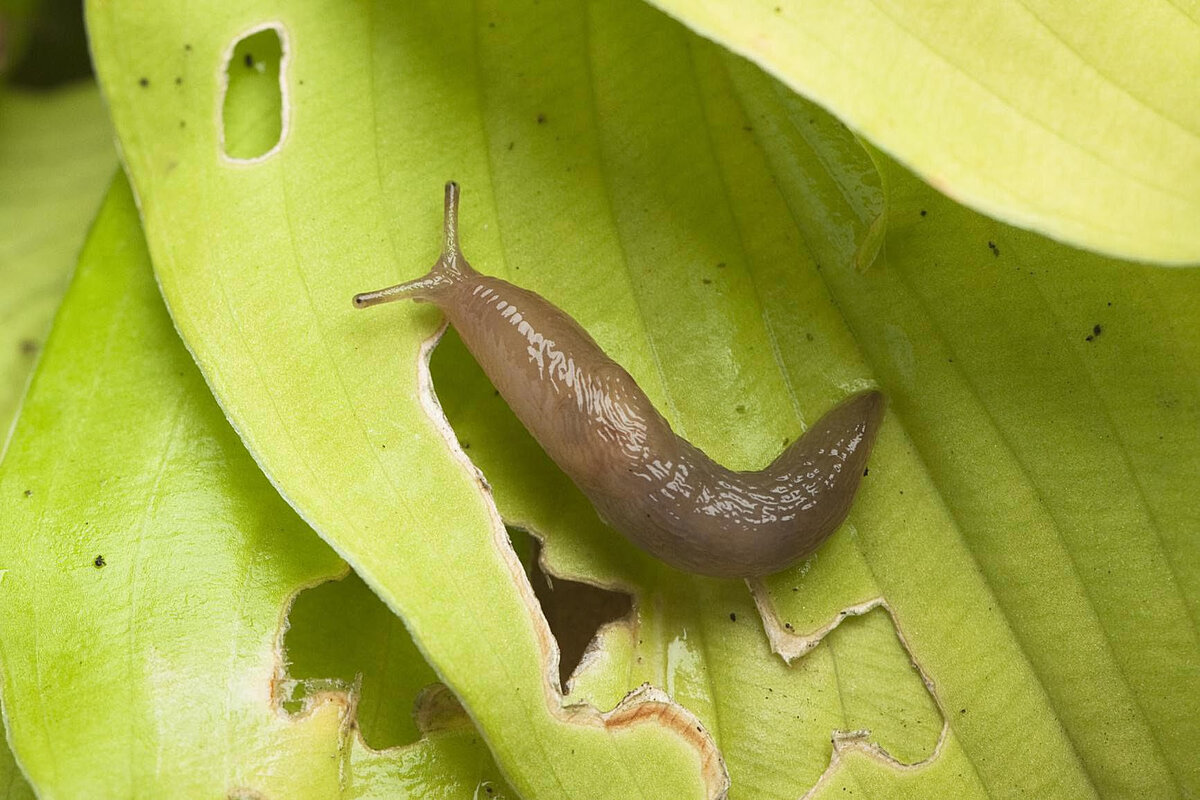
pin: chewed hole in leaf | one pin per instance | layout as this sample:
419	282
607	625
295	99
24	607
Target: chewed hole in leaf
498	444
254	112
575	611
341	637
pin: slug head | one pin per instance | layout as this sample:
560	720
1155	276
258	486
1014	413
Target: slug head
450	268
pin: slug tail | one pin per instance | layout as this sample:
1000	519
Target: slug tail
838	446
849	427
451	267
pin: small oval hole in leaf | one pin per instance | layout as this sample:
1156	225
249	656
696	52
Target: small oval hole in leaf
253	113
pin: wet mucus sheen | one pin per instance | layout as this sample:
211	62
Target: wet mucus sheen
596	423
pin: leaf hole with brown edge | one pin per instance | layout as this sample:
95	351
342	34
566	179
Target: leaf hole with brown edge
575	611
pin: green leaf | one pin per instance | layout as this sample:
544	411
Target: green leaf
147	570
344	428
56	156
341	634
1078	120
14	783
1050	400
1011	565
704	224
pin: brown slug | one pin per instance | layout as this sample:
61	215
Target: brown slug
652	485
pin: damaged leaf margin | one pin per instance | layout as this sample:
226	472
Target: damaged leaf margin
224	283
138	505
640	705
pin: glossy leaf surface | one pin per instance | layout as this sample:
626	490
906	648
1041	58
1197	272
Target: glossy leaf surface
718	258
1077	119
147	571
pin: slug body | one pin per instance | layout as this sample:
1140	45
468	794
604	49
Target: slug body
652	485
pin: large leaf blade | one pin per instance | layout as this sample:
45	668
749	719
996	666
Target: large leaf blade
147	572
1012	336
1075	120
643	211
367	461
56	156
951	519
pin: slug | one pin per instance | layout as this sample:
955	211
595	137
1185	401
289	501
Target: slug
593	420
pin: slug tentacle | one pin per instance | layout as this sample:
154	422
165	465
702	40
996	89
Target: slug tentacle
451	268
596	423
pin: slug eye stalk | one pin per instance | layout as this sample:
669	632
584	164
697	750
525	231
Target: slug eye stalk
448	269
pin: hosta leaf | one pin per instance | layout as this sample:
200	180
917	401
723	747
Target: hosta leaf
1127	734
341	634
1051	398
710	229
56	156
14	783
344	429
147	568
1079	120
